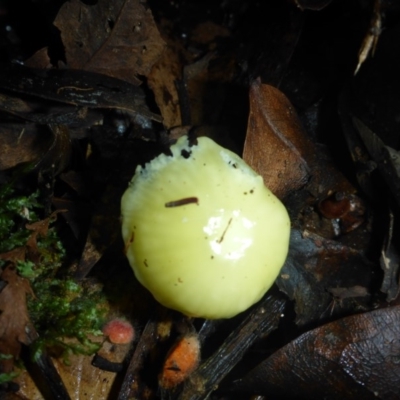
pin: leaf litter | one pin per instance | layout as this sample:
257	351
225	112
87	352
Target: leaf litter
128	75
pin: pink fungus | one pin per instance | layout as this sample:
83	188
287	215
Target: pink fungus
119	331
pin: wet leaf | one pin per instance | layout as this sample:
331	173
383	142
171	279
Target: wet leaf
355	357
118	38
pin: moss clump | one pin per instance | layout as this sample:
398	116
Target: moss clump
15	212
62	308
65	309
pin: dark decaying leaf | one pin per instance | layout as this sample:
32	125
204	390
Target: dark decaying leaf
355	357
276	146
79	88
316	265
118	38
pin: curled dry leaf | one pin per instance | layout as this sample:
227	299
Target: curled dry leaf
276	145
355	357
118	38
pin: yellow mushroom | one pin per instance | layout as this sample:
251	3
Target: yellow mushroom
202	232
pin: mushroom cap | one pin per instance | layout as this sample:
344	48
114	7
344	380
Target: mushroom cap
202	232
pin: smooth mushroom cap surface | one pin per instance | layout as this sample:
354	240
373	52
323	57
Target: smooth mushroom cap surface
202	232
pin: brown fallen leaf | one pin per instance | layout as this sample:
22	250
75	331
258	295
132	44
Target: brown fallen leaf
14	319
355	357
276	145
118	38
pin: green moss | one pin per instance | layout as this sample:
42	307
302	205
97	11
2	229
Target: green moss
65	309
15	212
62	308
4	378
